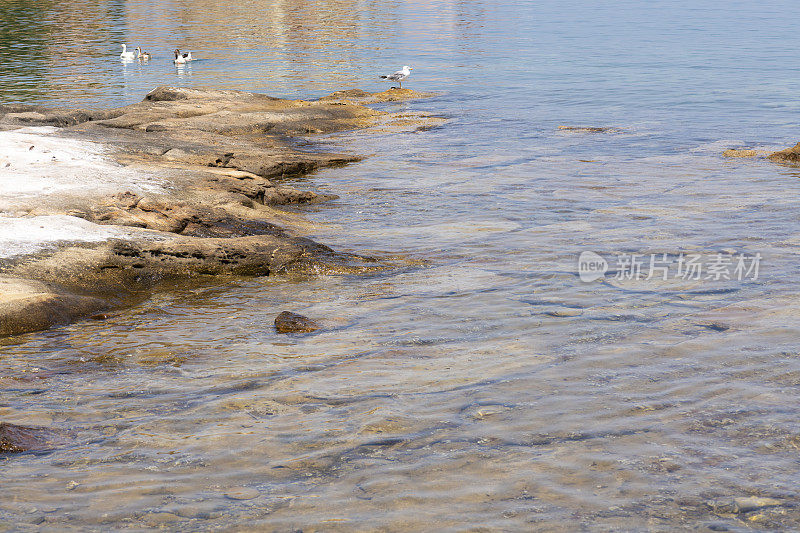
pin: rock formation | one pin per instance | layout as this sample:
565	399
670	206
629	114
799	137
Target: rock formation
223	158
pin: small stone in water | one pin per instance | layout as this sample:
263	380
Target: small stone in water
751	503
565	312
742	505
242	493
288	322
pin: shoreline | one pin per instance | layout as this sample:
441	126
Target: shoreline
187	184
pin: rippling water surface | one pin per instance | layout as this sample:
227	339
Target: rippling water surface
485	385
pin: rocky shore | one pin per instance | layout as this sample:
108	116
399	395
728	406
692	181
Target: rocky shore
218	164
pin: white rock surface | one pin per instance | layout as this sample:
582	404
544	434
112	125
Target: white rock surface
41	172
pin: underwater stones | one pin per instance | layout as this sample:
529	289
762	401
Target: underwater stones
242	493
741	505
588	129
740	153
18	439
162	519
288	322
752	503
364	97
564	312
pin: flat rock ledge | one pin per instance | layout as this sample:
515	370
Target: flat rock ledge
224	158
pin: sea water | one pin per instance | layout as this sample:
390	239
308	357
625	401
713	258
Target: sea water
484	383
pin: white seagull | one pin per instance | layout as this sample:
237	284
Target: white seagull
125	54
180	58
399	76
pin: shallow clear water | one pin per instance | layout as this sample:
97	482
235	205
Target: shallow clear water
488	386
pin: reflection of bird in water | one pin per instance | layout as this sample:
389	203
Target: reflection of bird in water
182	58
144	56
125	54
399	76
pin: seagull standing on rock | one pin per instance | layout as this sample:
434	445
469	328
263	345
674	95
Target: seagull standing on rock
399	76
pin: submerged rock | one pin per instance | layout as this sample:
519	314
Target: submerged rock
242	493
565	312
288	322
588	129
790	156
18	439
741	505
347	93
363	97
741	153
752	503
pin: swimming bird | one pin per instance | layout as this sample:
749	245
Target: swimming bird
182	58
125	54
144	56
399	76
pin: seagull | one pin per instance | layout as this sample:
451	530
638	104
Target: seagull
144	56
125	54
399	76
182	58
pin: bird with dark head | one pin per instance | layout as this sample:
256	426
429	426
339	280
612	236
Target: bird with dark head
181	58
399	76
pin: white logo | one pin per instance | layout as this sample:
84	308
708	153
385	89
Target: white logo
591	267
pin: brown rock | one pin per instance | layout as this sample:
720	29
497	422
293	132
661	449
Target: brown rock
17	439
347	93
740	153
363	97
290	195
27	306
790	156
288	322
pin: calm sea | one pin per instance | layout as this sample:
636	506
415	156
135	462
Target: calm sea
486	385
